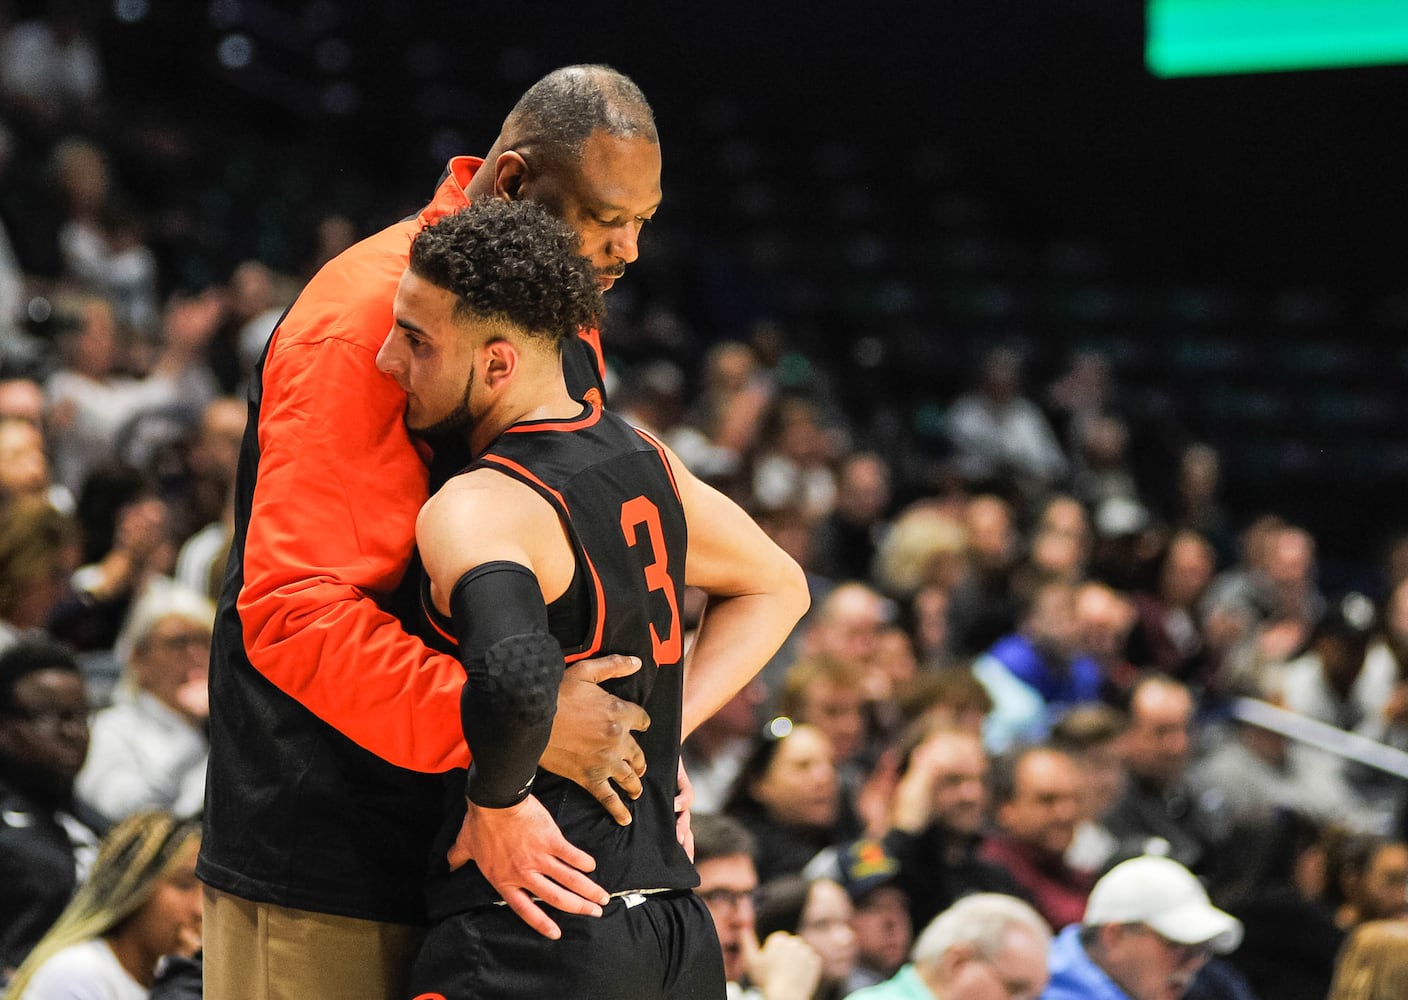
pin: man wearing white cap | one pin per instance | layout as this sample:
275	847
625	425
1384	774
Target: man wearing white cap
1148	928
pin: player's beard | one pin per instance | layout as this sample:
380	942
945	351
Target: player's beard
457	421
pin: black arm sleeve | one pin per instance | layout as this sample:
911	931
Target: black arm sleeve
514	667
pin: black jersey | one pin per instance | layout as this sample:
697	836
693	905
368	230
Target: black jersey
614	491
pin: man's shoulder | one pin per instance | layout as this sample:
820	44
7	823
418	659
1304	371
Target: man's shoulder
350	297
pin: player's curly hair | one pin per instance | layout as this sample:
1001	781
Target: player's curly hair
511	262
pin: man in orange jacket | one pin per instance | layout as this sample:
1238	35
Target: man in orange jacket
328	720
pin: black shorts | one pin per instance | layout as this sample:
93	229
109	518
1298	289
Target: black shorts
655	947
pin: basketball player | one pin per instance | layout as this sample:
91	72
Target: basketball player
566	535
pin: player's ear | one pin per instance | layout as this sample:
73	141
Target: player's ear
500	360
511	175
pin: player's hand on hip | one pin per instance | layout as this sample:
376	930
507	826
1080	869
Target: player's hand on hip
523	854
591	742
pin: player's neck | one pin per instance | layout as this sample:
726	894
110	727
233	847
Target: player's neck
537	397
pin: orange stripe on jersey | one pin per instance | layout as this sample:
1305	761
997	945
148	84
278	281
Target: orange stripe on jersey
433	617
593	415
593	340
663	459
599	626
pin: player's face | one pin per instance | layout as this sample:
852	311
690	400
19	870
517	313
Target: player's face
607	201
430	356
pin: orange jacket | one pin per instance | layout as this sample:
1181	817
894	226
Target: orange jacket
332	523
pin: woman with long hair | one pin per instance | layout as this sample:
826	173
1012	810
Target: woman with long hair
141	902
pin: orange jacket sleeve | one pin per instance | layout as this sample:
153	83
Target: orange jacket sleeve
332	527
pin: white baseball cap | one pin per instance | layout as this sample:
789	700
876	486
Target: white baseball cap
1165	896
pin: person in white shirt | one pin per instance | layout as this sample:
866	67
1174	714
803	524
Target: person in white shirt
141	903
149	748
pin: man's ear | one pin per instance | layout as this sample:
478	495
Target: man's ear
511	176
500	360
956	958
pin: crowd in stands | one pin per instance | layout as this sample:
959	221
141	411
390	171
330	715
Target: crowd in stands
1022	666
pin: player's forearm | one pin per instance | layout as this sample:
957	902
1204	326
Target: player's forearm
736	639
513	668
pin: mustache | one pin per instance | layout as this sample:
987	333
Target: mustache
613	272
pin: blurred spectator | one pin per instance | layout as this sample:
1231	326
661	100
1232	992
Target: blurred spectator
714	753
982	607
333	234
100	241
793	466
1102	467
1198	504
847	625
1037	671
924	546
149	748
734	400
1104	619
1148	929
206	480
1168	636
784	967
1036	804
919	561
830	694
1002	440
880	908
1336	682
1065	515
937	815
1366	878
849	535
49	66
1127	542
819	912
790	798
127	534
1373	964
985	947
949	698
38	551
1273	591
24	466
1083	393
894	668
1159	812
1271	875
92	403
1090	734
141	903
23	399
47	840
255	297
1254	771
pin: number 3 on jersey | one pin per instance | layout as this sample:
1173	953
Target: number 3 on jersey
634	513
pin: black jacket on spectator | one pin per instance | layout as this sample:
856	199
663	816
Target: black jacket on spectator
38	872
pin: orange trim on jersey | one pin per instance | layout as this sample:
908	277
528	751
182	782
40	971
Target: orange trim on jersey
592	417
663	459
599	625
593	339
433	617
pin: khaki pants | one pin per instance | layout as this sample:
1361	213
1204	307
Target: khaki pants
257	951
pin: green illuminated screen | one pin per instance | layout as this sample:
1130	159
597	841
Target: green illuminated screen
1209	37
